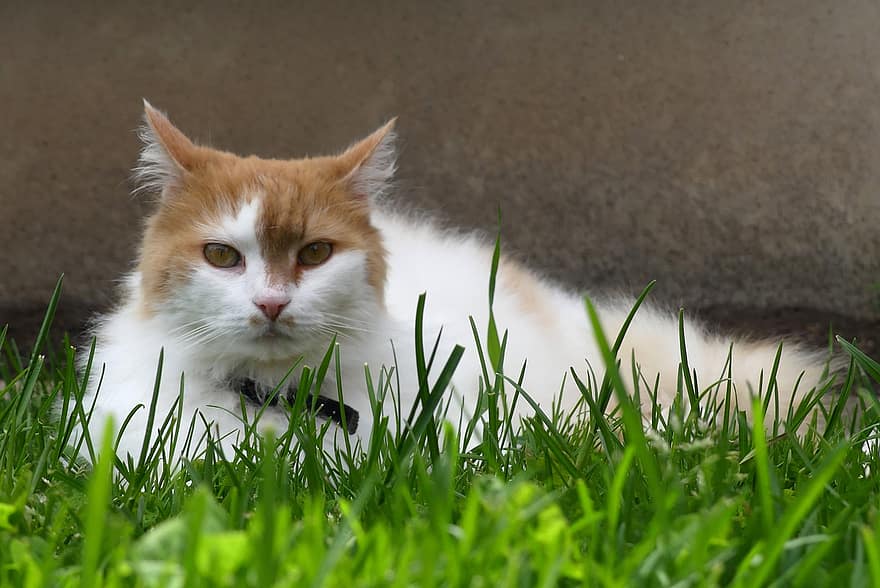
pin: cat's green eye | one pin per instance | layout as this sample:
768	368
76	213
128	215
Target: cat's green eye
220	255
315	253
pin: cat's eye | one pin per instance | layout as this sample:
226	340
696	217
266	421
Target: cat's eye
220	255
315	253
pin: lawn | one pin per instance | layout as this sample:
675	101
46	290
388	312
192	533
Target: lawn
684	498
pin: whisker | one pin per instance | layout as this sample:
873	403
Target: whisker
345	327
189	324
206	339
347	318
329	330
335	323
318	328
196	333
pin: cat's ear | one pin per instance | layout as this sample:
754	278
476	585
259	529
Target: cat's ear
167	155
368	166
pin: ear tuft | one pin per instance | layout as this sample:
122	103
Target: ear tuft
167	154
371	163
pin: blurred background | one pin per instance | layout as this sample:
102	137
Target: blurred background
730	150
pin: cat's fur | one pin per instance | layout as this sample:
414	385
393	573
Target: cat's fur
208	323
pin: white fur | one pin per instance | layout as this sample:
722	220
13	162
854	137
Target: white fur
456	283
558	335
211	329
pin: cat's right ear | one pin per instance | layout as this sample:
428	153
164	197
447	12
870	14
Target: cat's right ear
167	155
367	167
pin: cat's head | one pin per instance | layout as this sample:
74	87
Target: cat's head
261	257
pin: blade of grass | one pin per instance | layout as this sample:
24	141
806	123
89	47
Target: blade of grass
493	343
97	509
632	421
766	552
43	333
762	466
869	365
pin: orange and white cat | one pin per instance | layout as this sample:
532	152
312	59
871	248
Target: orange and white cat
248	264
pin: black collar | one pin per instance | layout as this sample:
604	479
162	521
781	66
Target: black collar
326	408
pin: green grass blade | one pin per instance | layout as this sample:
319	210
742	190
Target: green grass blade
43	333
97	510
871	367
493	342
690	388
151	411
768	552
632	421
762	466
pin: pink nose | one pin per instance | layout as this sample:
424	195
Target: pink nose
271	305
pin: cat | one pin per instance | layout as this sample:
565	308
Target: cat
248	264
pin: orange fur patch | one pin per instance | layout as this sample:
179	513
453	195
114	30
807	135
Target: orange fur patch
304	201
530	292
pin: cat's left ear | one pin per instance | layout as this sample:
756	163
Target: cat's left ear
167	155
368	166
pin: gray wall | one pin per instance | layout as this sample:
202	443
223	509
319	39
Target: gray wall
728	149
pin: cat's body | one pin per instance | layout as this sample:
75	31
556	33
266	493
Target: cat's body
316	255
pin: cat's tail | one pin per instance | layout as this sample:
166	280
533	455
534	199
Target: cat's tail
783	372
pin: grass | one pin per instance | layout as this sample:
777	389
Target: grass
677	499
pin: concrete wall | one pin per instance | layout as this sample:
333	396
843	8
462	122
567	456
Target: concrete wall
730	150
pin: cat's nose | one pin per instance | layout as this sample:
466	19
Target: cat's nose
271	305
